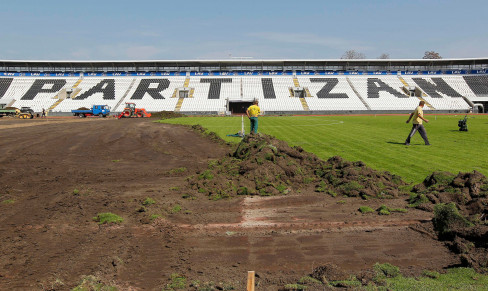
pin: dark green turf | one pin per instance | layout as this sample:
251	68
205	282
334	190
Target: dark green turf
375	140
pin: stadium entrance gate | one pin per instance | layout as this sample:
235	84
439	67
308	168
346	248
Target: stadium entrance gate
480	107
238	106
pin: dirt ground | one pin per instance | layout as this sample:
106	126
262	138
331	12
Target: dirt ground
57	174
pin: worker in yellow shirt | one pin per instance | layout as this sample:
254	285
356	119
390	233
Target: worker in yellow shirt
252	113
418	117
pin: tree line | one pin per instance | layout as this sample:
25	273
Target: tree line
355	55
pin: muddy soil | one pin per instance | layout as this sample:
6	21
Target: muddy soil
56	175
460	206
263	165
167	115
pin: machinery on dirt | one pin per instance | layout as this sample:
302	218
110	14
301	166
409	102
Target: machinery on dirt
130	110
96	110
23	112
26	112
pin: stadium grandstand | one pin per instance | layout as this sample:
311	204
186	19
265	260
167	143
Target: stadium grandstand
229	86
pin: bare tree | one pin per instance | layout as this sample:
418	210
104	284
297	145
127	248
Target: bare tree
384	56
432	55
352	55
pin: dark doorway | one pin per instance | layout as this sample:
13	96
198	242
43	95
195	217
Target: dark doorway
480	109
239	107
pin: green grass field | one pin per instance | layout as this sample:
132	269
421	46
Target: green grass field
375	140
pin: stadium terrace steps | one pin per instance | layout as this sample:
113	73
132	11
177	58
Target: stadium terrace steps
408	85
304	104
357	94
179	104
307	92
55	104
181	99
419	97
125	94
427	103
187	82
295	82
403	81
74	87
77	83
6	102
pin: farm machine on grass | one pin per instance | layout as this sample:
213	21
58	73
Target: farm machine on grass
130	110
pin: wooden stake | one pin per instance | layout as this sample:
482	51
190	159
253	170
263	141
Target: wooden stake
250	280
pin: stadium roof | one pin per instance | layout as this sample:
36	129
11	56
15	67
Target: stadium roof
245	64
250	60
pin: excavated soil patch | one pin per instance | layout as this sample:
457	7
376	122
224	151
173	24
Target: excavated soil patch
460	205
166	115
265	166
56	176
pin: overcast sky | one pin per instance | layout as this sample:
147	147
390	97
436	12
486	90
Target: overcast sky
224	29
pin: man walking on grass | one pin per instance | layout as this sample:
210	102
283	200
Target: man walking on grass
252	113
418	117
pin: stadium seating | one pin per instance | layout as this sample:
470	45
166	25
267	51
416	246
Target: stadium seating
383	93
439	94
436	87
459	84
96	91
330	94
37	93
268	88
209	94
283	100
477	84
153	94
4	85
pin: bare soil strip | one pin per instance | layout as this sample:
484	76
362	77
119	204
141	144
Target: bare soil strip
47	232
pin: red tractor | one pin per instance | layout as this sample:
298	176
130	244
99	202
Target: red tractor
130	110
